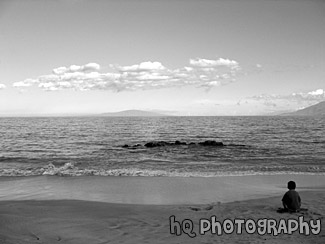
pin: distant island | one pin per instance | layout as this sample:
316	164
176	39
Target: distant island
134	113
314	110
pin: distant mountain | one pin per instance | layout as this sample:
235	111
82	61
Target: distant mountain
275	113
314	110
134	113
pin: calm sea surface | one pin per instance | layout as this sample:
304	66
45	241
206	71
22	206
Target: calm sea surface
93	146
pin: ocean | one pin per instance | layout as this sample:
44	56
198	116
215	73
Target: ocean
93	146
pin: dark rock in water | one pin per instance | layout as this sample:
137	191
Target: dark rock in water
136	146
151	144
211	143
180	143
157	144
132	147
176	143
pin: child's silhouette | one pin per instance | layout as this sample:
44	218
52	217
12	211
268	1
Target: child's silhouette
291	200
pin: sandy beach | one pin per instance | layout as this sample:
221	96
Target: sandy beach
143	216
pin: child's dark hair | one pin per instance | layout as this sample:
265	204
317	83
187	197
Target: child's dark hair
291	185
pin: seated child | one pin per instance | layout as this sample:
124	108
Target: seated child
291	199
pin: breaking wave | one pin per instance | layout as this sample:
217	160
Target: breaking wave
69	169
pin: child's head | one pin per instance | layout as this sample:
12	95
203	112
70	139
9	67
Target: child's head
291	185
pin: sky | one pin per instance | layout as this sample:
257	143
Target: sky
182	57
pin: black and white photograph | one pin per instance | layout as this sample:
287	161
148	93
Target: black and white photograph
162	121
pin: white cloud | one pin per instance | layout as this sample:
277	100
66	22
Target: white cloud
296	99
2	86
317	92
25	83
90	67
144	66
200	62
146	75
60	70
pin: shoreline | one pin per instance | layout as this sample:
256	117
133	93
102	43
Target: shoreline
154	190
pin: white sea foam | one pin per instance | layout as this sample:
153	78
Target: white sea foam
69	169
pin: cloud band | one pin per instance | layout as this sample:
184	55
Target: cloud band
146	75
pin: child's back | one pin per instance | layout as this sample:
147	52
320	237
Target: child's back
291	199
